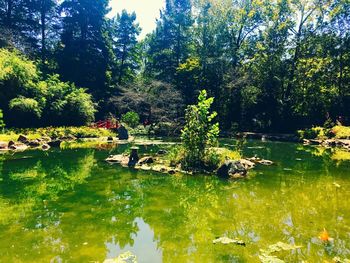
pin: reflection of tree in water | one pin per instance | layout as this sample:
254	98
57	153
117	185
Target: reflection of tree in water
186	213
29	185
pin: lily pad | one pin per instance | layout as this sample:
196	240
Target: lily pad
265	258
279	246
226	241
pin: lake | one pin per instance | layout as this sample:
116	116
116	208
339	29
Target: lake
70	205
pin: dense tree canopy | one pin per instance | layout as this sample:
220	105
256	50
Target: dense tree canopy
271	65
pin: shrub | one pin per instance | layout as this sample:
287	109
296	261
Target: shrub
2	124
26	110
29	100
199	133
312	133
131	119
341	132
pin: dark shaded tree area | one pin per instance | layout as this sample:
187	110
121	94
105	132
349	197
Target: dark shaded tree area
271	65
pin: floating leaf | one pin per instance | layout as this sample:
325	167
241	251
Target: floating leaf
265	258
226	240
280	246
336	185
324	236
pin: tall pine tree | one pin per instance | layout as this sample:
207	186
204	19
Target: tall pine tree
170	43
84	58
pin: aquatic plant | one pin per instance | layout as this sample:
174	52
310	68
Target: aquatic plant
200	132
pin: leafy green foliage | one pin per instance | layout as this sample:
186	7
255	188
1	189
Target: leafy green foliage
199	132
125	46
55	132
131	119
341	132
29	100
26	110
2	123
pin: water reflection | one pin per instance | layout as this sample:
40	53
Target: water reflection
70	206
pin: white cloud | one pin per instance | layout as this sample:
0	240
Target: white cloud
147	12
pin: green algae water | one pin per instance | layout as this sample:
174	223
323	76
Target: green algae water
71	206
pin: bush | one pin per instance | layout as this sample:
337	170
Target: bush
131	119
341	132
2	124
312	133
29	100
199	133
27	112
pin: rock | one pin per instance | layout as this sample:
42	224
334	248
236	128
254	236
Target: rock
22	139
232	169
315	142
69	137
171	171
55	143
45	147
19	147
162	152
254	159
123	133
46	139
160	168
330	143
146	160
120	158
33	143
3	145
13	147
306	142
110	139
247	164
266	162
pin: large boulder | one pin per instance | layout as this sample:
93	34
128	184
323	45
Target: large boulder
45	147
123	133
33	143
10	144
55	143
146	160
22	139
3	145
120	158
232	169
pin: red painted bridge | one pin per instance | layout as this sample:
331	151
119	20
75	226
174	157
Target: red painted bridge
107	124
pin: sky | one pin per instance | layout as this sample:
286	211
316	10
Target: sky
147	11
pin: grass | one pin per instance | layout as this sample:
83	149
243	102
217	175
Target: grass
337	132
55	132
214	157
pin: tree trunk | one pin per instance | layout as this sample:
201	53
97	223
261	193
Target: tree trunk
43	29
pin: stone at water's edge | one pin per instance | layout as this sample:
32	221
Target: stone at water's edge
3	145
146	160
55	143
22	139
10	144
232	169
123	133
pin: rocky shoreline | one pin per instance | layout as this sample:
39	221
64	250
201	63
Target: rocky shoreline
230	169
329	143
